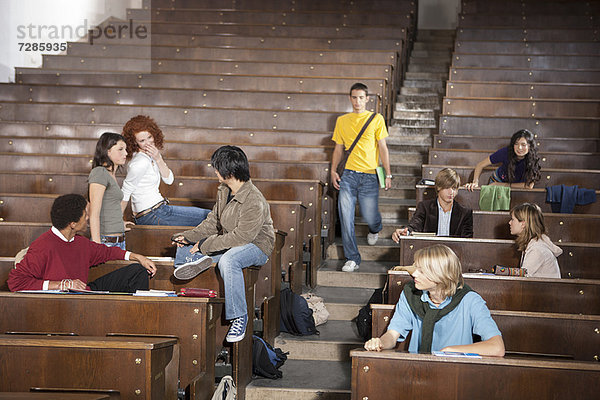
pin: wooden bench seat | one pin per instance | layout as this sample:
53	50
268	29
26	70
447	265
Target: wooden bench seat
233	67
402	6
275	169
559	108
561	336
483	74
55	395
136	367
197	15
365	56
517	196
570	296
548	160
578	260
180	97
182	150
502	126
541	54
310	193
492	143
530	34
520	90
431	377
192	321
537	21
574	228
257	29
212	117
588	178
528	8
199	81
10	130
288	217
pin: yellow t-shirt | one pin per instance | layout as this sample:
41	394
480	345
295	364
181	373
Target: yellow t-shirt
365	156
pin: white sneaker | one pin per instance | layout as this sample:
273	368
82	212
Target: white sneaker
350	266
372	238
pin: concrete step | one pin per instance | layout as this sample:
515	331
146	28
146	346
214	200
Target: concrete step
415	114
337	286
437	77
419	98
429	68
405	157
410	90
416	123
384	250
414	170
424	34
430	103
399	192
334	342
389	226
434	45
305	380
429	60
409	140
398	130
432	53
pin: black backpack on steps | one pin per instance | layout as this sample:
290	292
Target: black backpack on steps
296	316
364	318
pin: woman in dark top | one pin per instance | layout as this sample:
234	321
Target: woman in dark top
519	163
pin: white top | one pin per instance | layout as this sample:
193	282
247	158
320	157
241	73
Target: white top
539	258
142	181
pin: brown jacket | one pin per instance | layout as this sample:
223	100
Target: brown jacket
245	219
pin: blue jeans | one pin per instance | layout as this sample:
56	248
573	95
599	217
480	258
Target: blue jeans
174	216
104	241
230	264
364	187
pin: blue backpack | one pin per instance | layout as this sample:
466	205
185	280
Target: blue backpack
266	360
296	317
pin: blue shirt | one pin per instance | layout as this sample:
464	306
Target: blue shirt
501	156
470	317
443	220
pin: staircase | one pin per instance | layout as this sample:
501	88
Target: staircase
319	367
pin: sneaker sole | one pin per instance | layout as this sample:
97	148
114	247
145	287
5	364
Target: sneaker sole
235	339
187	272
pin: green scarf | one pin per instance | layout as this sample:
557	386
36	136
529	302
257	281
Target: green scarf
430	315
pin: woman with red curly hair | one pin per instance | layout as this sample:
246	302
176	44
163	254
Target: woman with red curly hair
146	169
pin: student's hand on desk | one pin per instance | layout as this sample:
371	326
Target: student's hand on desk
374	345
399	232
145	262
77	284
128	225
471	185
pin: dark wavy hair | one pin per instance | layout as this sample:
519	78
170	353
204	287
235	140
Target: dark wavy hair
231	161
106	141
532	160
141	123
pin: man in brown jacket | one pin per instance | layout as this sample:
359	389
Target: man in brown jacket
236	234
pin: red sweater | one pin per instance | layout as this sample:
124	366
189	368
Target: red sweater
50	258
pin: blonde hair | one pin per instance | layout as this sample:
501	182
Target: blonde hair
447	178
440	265
534	227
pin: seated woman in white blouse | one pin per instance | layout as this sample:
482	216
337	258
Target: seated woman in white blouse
145	171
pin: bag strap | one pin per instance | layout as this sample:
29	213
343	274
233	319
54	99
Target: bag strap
362	130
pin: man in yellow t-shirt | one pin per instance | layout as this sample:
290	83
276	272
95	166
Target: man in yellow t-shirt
359	180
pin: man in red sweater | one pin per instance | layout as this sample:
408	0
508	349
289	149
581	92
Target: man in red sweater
60	259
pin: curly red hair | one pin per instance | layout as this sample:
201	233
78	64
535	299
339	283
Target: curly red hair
138	124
